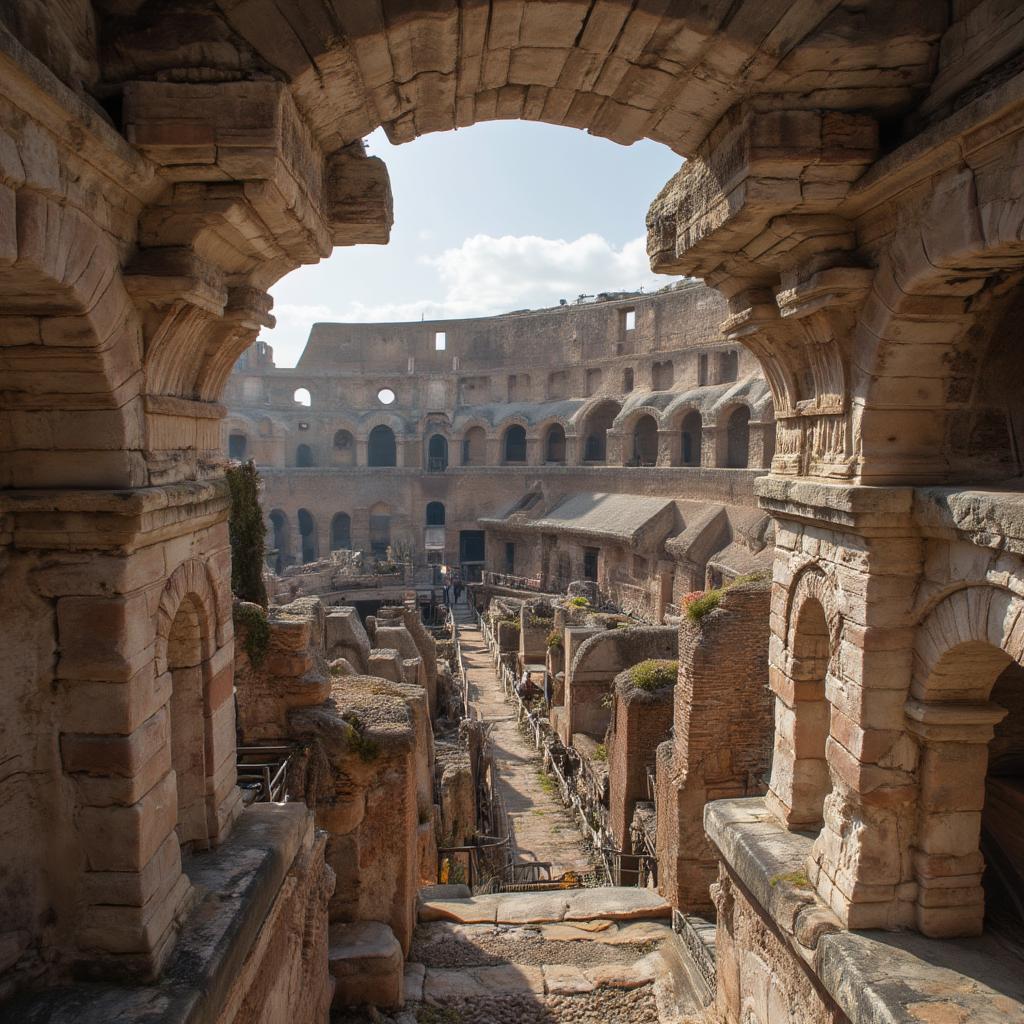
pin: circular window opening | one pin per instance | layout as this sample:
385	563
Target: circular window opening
385	396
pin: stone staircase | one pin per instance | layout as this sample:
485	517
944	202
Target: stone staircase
584	955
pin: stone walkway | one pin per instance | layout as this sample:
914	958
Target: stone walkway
542	829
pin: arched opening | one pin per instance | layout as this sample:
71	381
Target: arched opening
188	723
380	529
435	513
381	449
474	447
809	782
344	448
691	439
515	444
307	531
437	454
595	431
304	457
627	380
645	441
970	729
738	438
554	443
341	532
301	396
279	534
237	446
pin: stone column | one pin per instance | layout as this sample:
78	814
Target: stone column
948	865
122	575
710	445
668	447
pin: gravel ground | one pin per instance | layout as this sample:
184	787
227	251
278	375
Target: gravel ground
602	1007
436	946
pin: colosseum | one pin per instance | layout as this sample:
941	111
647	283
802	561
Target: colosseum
629	448
659	658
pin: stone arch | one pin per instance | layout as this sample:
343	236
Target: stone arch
474	446
966	713
341	532
238	445
801	778
343	447
307	534
305	458
594	421
737	438
62	283
554	443
188	633
641	429
381	447
954	282
435	513
280	537
513	443
437	453
691	437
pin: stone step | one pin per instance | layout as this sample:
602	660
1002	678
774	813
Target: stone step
366	962
562	906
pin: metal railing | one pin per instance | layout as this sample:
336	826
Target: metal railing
263	772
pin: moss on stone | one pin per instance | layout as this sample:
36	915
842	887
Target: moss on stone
247	533
654	674
251	620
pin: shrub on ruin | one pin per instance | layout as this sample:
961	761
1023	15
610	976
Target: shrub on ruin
577	602
600	753
555	638
251	624
359	743
654	673
540	621
246	532
708	602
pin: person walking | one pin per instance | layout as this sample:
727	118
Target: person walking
446	588
457	587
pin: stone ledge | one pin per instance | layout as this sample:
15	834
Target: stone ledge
236	885
846	504
985	517
876	977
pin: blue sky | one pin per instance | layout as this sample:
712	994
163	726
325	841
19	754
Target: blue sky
499	216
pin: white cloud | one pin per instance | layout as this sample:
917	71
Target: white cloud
487	275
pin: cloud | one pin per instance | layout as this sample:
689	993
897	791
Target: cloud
486	275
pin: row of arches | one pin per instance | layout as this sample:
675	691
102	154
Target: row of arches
340	534
640	438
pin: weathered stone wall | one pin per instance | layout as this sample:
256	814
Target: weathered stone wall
640	721
722	738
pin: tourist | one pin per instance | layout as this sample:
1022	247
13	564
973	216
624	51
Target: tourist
457	587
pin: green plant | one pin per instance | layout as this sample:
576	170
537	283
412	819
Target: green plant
246	533
600	753
654	673
365	746
699	607
251	621
547	784
798	879
540	621
578	602
555	638
385	569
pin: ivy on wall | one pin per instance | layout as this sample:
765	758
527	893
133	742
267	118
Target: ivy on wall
247	532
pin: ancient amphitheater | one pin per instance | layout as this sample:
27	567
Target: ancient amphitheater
729	724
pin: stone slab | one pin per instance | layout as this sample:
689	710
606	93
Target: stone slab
443	984
415	976
565	980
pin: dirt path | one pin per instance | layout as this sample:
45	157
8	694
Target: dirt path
542	829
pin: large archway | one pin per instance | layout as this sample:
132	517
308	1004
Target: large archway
595	427
645	441
341	532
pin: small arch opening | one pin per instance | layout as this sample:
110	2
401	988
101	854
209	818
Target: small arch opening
304	457
738	440
435	513
301	396
515	443
341	532
238	445
554	444
645	441
437	454
691	439
381	448
386	396
307	530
